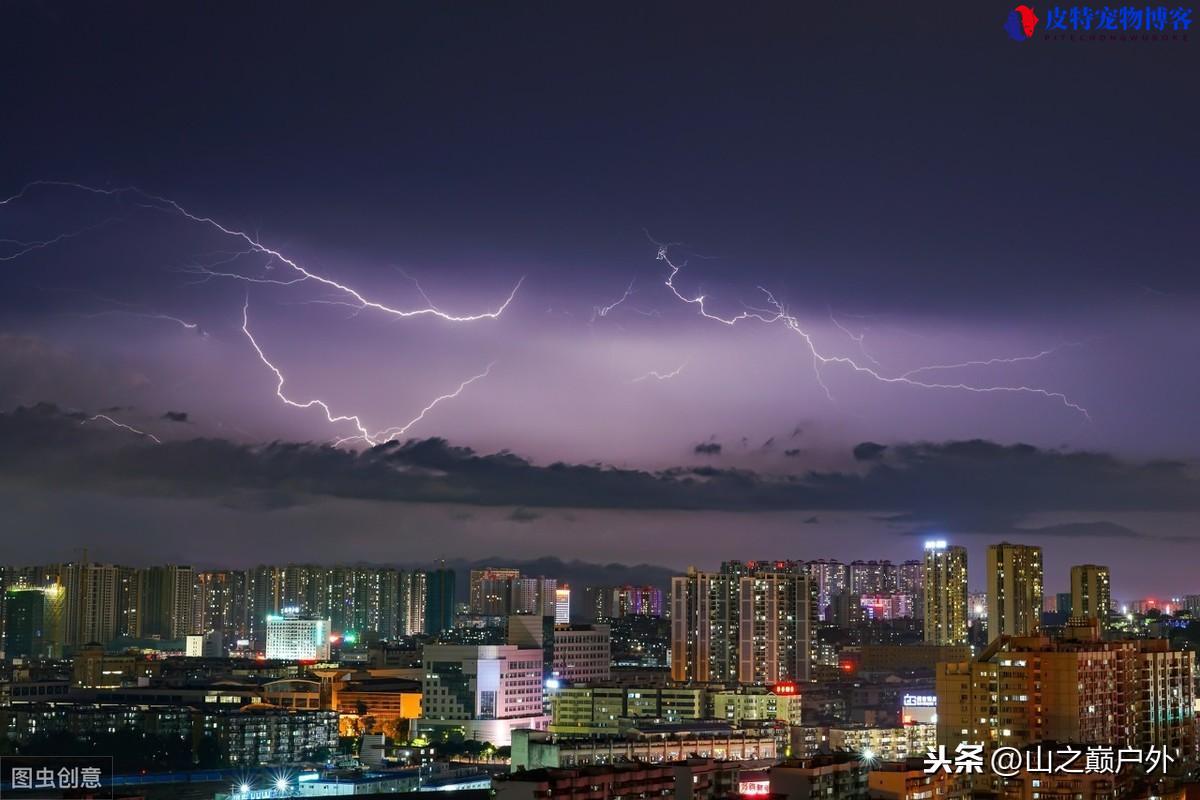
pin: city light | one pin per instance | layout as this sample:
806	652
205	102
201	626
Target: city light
935	544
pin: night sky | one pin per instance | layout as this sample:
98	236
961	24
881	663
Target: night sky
963	271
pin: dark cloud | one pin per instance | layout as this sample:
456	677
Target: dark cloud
708	449
522	514
962	486
792	453
574	573
811	520
868	451
176	416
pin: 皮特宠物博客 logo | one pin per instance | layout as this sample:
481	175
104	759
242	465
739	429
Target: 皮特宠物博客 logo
1021	23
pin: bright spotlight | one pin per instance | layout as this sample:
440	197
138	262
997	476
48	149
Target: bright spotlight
281	784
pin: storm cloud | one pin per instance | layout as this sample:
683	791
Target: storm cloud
972	485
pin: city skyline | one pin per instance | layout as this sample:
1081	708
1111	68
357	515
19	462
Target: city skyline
453	298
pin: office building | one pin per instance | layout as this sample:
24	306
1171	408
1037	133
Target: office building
1091	592
293	637
439	600
34	622
562	605
582	653
945	584
486	691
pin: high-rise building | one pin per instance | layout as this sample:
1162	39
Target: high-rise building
293	637
615	602
1135	693
750	623
562	605
439	600
491	590
872	577
910	580
412	596
945	582
829	578
167	602
1014	589
35	623
1091	592
1062	604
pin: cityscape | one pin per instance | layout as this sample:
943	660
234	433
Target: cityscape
807	675
571	401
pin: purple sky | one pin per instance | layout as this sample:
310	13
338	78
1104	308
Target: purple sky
913	191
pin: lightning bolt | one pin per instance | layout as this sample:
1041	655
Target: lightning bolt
255	246
862	348
991	361
299	274
190	326
23	248
661	376
820	359
393	433
113	422
363	433
603	311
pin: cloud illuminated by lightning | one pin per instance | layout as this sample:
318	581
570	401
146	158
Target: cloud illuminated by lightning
115	423
820	359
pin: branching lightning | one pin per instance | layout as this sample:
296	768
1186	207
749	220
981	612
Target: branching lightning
23	247
255	246
857	339
115	423
990	361
363	433
820	359
209	271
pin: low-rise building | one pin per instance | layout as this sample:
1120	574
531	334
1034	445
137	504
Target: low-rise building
839	776
896	743
693	779
652	744
908	780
